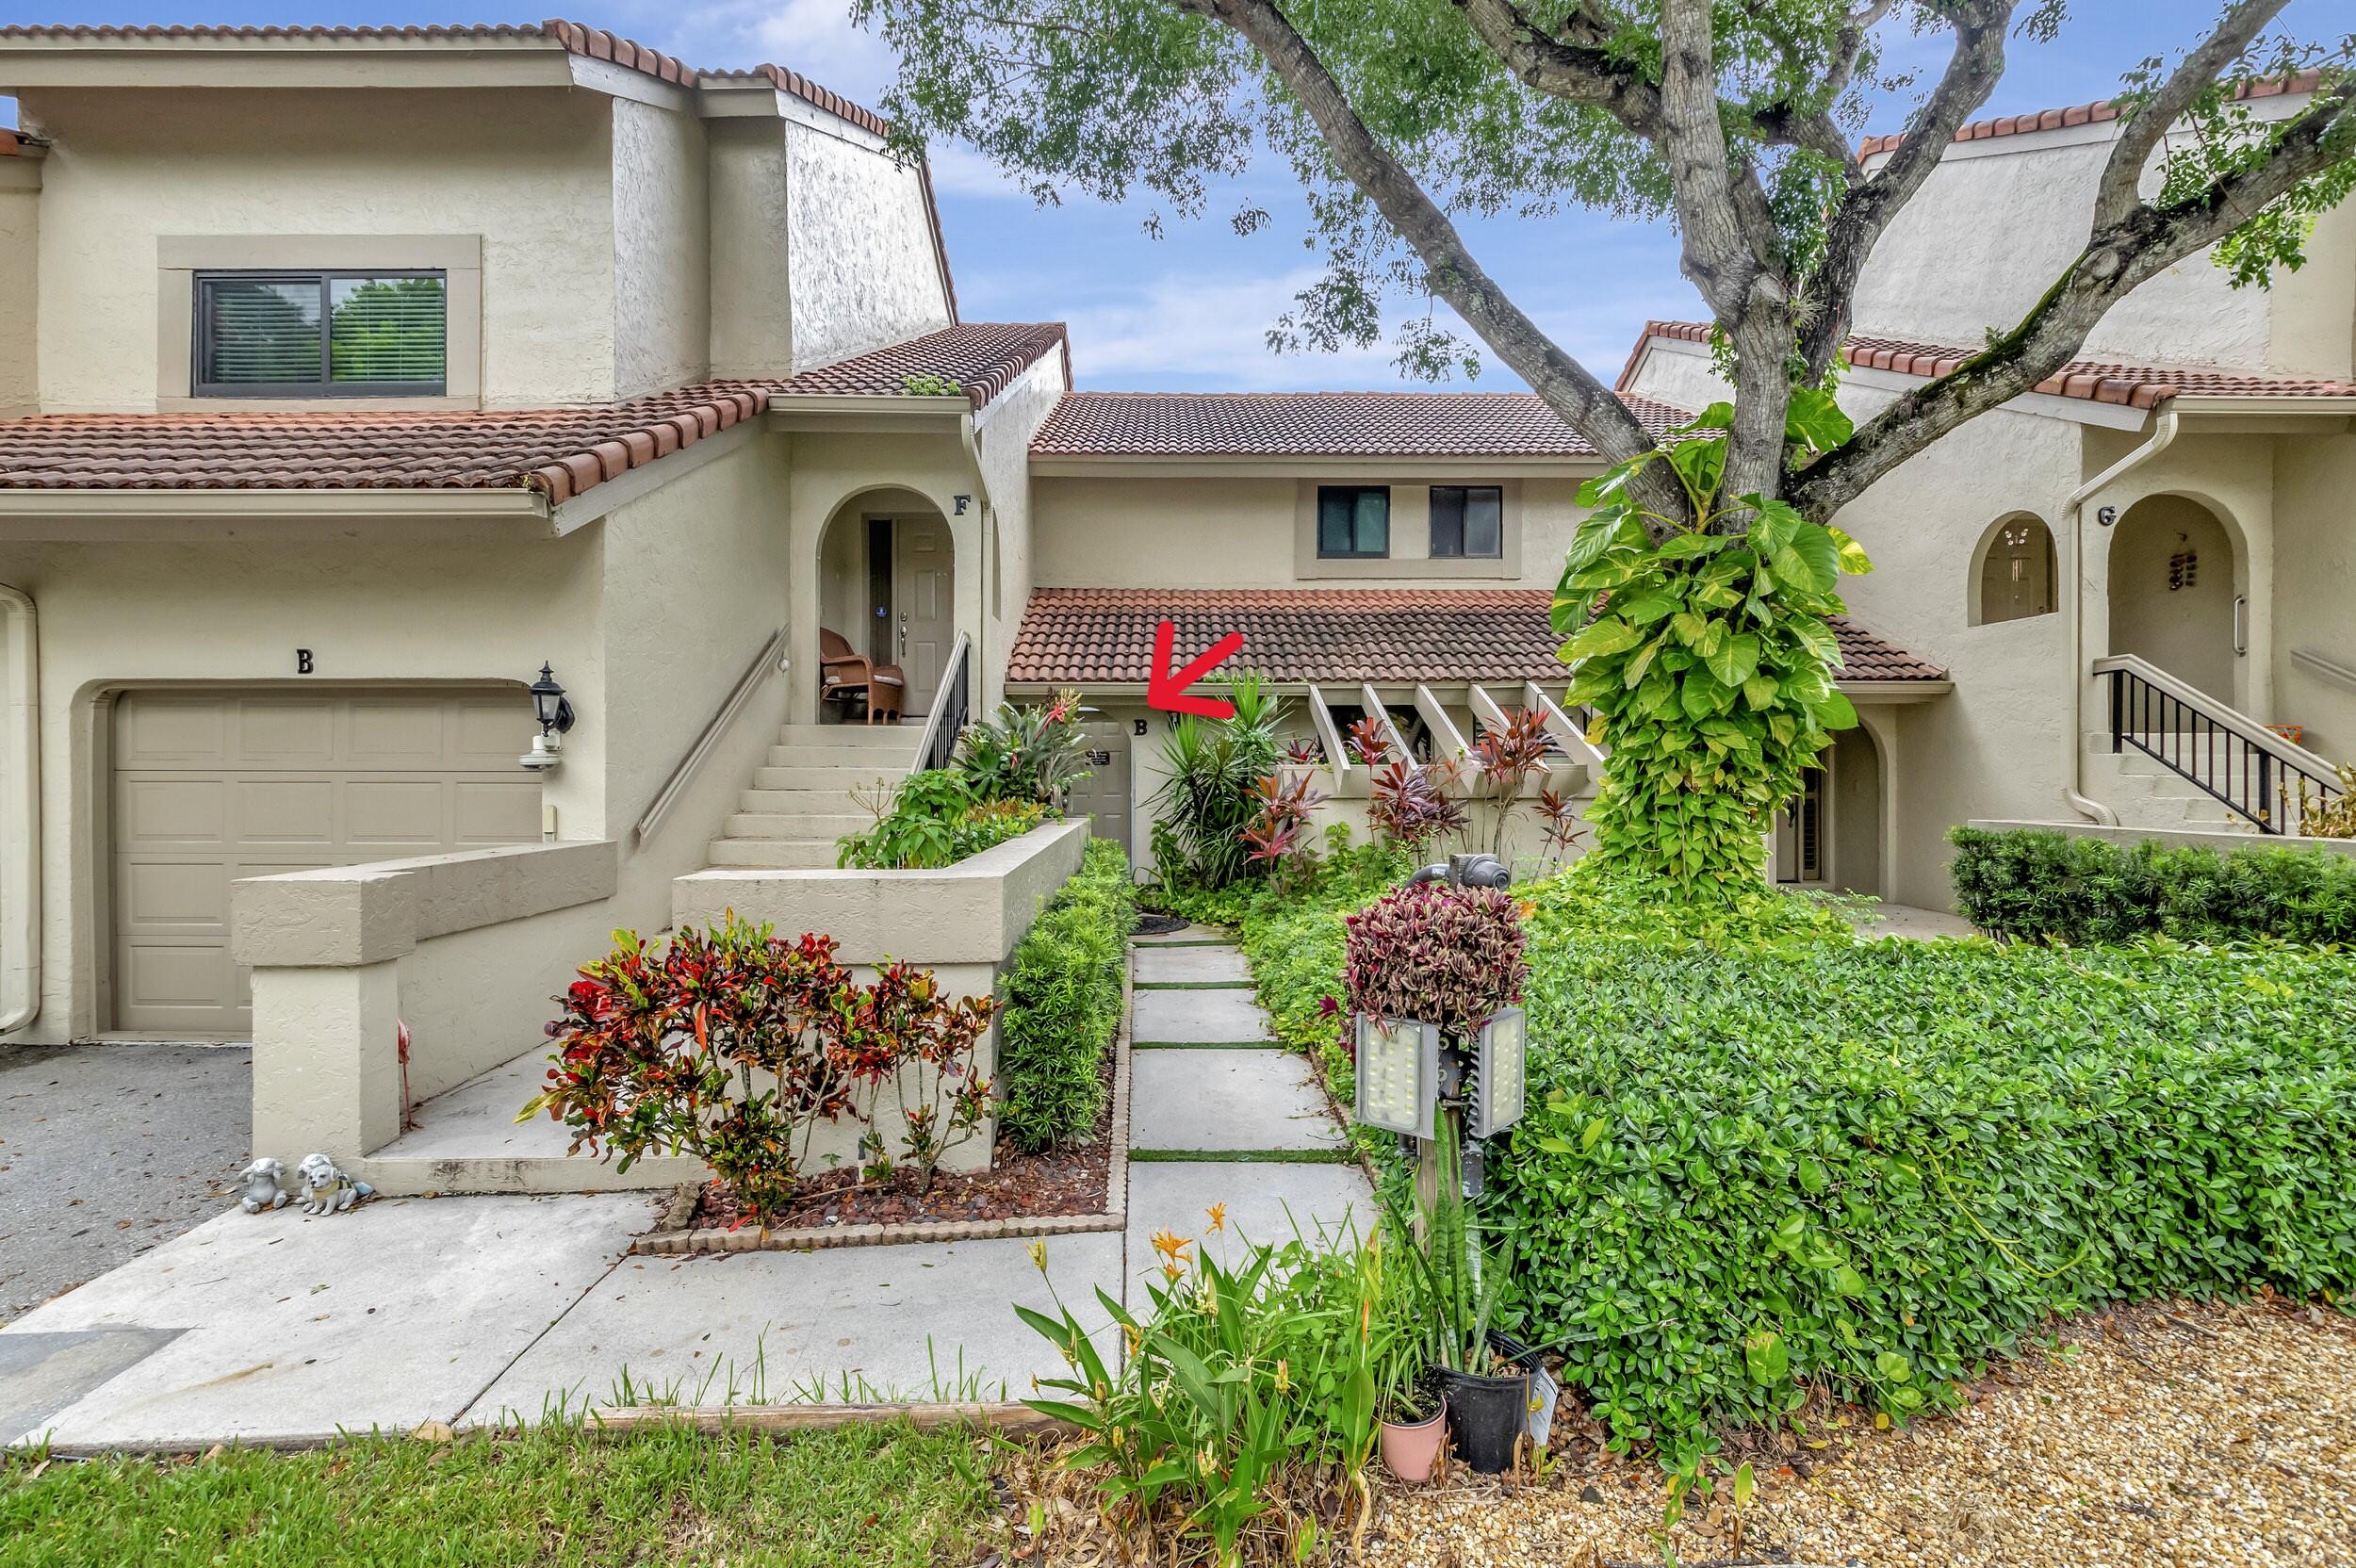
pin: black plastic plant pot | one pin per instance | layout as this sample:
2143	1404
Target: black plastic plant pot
1486	1418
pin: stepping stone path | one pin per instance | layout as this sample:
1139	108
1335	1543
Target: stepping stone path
1221	1114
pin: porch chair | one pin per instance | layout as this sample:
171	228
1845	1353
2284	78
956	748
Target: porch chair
844	675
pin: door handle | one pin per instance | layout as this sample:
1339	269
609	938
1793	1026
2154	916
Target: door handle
903	634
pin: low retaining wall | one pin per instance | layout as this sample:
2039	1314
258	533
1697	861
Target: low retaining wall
465	949
2178	838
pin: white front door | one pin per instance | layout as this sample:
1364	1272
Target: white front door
924	597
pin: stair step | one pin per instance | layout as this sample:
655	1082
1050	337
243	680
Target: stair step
774	854
825	802
882	737
796	825
798	755
841	780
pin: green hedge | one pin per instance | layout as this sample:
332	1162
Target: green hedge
1062	1006
1781	1157
2038	883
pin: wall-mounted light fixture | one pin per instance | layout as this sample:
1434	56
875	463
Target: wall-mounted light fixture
555	714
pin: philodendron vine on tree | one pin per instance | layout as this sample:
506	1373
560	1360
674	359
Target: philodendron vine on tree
1702	645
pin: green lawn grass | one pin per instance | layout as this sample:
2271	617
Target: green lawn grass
874	1497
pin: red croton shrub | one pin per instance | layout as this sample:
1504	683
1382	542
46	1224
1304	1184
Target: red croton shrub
732	1044
1436	954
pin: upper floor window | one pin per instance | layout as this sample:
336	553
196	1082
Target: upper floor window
1353	521
279	335
1467	520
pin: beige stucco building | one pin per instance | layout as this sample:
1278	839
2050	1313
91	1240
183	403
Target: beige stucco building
351	378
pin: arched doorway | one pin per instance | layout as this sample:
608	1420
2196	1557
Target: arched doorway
1830	835
2172	590
886	586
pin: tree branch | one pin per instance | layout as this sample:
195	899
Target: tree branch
1582	73
1973	71
2117	259
1584	402
2118	194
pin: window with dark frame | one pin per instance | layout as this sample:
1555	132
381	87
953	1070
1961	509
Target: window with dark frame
322	335
1353	522
1468	521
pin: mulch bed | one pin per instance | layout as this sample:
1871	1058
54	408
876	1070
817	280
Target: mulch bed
1018	1186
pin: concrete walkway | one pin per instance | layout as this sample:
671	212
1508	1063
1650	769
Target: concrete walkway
477	1311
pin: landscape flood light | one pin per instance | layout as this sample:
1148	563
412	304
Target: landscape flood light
1399	1074
1500	1061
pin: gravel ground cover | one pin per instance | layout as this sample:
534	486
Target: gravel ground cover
2163	1436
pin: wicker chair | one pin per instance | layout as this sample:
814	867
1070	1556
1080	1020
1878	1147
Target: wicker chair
845	675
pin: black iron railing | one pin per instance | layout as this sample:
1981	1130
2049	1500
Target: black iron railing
952	708
2256	774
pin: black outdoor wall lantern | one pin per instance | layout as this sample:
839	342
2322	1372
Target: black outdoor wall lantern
555	715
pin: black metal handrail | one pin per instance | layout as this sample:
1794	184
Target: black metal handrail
952	711
2266	785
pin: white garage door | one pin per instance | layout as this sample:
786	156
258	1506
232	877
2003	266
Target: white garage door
213	786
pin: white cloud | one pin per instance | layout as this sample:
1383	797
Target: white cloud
959	170
813	36
1210	329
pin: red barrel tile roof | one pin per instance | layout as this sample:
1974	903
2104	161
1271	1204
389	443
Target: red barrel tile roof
2081	114
1320	424
558	452
1104	636
2099	380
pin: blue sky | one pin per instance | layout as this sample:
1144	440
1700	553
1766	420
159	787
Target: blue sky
1187	310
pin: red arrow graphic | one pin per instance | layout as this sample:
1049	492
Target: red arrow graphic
1166	688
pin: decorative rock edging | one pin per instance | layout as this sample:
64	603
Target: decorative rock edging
673	1237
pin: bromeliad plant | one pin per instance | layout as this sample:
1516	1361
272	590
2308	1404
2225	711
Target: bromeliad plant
1024	754
1704	648
732	1044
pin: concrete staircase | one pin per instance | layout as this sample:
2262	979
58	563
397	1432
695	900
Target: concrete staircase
802	801
2147	794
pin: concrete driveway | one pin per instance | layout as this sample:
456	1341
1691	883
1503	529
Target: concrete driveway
106	1151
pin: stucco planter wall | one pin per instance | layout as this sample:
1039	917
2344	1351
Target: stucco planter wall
961	922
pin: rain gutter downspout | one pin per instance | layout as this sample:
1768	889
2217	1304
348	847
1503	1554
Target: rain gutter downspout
971	437
20	812
2073	617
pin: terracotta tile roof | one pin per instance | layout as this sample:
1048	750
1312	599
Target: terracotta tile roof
2099	380
558	452
1104	636
576	37
1318	424
982	358
2081	114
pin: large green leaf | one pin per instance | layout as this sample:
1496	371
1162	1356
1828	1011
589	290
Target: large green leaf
1813	418
1609	635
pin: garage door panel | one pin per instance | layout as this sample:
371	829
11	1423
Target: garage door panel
284	732
166	732
397	735
283	812
211	787
500	813
168	812
407	815
160	896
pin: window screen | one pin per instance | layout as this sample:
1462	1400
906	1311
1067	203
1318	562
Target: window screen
1353	521
1467	520
322	333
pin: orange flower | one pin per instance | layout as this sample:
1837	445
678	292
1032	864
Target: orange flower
1218	1215
1172	1247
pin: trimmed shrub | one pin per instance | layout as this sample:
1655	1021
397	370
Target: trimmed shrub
1060	1005
2038	883
1785	1159
935	820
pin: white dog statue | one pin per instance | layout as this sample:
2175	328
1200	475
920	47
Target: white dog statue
326	1190
263	1183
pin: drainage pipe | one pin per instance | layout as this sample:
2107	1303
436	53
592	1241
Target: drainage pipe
2073	618
20	812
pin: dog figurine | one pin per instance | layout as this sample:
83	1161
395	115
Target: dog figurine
326	1190
264	1187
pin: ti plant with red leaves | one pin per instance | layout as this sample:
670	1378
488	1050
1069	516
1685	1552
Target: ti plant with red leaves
1369	742
732	1044
1505	759
1409	805
1279	836
1562	821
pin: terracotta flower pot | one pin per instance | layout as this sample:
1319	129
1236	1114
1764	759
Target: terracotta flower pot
1410	1451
